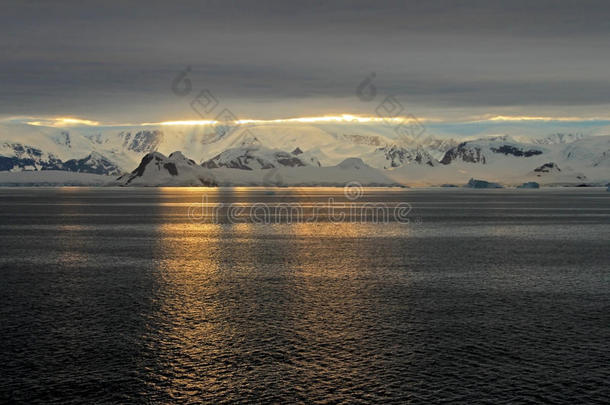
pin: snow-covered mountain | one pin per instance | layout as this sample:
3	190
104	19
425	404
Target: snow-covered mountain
485	151
19	157
396	156
93	163
87	149
258	157
506	160
594	151
16	157
156	169
322	145
438	147
558	138
260	147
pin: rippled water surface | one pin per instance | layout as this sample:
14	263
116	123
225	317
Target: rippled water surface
121	295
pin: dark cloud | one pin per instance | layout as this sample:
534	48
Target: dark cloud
117	59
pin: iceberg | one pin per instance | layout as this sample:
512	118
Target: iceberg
474	183
529	184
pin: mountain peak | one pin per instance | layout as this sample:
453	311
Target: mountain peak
252	158
559	138
353	163
157	169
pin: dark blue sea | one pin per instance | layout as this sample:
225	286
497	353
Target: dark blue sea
186	295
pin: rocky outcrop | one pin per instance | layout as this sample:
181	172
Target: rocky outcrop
399	156
464	152
514	151
550	167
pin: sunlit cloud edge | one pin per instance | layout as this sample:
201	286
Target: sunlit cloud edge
60	122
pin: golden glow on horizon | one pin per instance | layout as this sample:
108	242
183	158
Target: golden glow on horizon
343	118
327	118
339	119
535	118
64	122
187	123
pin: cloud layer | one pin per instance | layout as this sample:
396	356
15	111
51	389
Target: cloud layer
116	60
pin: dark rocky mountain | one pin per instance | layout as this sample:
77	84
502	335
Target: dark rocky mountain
464	152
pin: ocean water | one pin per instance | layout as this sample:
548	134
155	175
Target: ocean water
185	295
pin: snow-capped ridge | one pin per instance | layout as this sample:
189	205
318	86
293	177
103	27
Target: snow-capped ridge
253	158
155	169
20	157
559	138
353	163
485	150
510	160
398	156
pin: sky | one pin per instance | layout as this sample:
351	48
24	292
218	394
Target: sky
441	61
